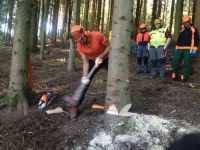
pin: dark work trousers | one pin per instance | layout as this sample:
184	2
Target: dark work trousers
142	54
91	65
158	61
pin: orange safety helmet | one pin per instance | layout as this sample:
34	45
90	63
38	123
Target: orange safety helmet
142	26
186	19
77	32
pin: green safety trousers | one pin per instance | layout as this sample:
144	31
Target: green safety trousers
183	54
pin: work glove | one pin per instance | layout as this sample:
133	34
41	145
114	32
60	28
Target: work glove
85	80
193	53
98	61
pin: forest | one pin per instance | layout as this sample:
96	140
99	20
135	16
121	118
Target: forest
38	55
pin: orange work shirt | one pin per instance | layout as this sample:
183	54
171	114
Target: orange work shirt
96	46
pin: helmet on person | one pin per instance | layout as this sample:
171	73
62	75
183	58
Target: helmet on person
77	28
143	26
157	21
77	32
186	19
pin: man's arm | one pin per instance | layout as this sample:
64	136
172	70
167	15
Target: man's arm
105	52
85	64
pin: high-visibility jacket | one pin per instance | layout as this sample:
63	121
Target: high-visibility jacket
188	39
143	38
158	37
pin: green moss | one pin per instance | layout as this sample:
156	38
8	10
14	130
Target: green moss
12	101
124	127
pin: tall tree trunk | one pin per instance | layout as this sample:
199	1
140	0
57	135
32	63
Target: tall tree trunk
72	52
10	20
70	16
159	9
178	19
44	26
103	10
171	15
93	17
55	20
197	25
34	28
99	14
64	8
18	85
154	11
118	91
87	4
144	11
137	19
111	14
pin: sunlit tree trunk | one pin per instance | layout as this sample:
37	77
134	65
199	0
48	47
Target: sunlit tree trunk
70	16
11	4
102	18
64	9
34	27
44	25
118	73
72	52
55	20
18	85
178	18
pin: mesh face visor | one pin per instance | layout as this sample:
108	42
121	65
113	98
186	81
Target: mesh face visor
76	36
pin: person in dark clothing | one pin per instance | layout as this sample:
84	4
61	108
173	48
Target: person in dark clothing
186	48
187	142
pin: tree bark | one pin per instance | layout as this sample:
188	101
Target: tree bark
197	25
102	19
11	4
118	92
87	5
34	28
144	11
154	11
171	15
178	19
99	14
72	52
18	85
55	20
44	25
64	8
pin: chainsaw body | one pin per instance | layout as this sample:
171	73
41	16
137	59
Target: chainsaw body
45	99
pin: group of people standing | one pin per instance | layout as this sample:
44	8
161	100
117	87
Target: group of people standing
154	45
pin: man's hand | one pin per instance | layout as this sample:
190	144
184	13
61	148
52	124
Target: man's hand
85	80
193	53
98	61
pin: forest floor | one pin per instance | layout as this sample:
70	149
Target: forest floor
169	100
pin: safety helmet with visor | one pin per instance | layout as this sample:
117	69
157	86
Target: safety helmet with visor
77	33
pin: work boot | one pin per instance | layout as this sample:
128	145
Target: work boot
146	69
138	68
182	78
73	112
174	77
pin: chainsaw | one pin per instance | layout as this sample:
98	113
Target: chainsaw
45	99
